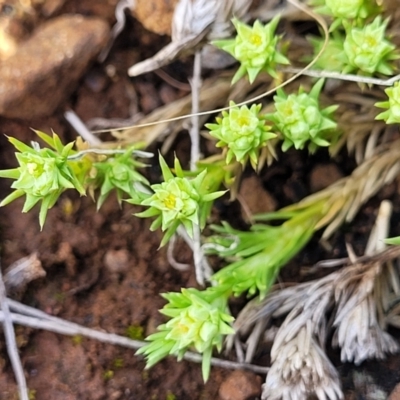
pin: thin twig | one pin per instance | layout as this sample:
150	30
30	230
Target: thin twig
171	259
198	256
344	77
81	128
195	129
29	316
11	343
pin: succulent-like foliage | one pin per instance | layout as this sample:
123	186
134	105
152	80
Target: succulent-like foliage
333	57
118	172
347	8
344	10
178	200
243	131
199	320
368	49
262	251
300	120
255	47
43	174
392	114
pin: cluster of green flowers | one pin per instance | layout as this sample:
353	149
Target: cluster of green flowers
119	173
355	46
256	48
392	114
199	319
243	132
297	117
45	173
177	201
346	10
300	120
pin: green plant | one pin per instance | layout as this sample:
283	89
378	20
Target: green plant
256	48
344	10
177	201
243	131
199	319
119	173
43	174
301	121
368	49
392	114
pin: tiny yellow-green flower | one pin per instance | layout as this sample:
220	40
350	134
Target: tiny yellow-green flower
243	131
255	47
392	114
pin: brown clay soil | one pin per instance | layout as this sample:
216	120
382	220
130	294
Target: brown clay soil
104	269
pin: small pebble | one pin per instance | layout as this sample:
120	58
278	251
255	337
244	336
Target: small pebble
117	261
395	395
323	175
155	15
240	385
255	197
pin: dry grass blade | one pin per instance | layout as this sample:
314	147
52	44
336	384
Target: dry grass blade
358	297
343	199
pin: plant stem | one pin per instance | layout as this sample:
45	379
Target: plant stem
29	316
11	343
195	129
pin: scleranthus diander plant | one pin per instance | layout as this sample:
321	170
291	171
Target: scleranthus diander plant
118	172
301	121
177	201
367	49
346	10
200	319
43	174
255	47
243	131
392	113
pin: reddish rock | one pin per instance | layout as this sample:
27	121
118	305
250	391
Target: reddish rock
46	68
395	395
155	15
240	385
255	197
323	176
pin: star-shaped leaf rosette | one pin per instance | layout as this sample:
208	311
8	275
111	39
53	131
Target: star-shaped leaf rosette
301	121
199	320
179	200
340	10
392	114
243	132
118	172
43	174
255	47
368	49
